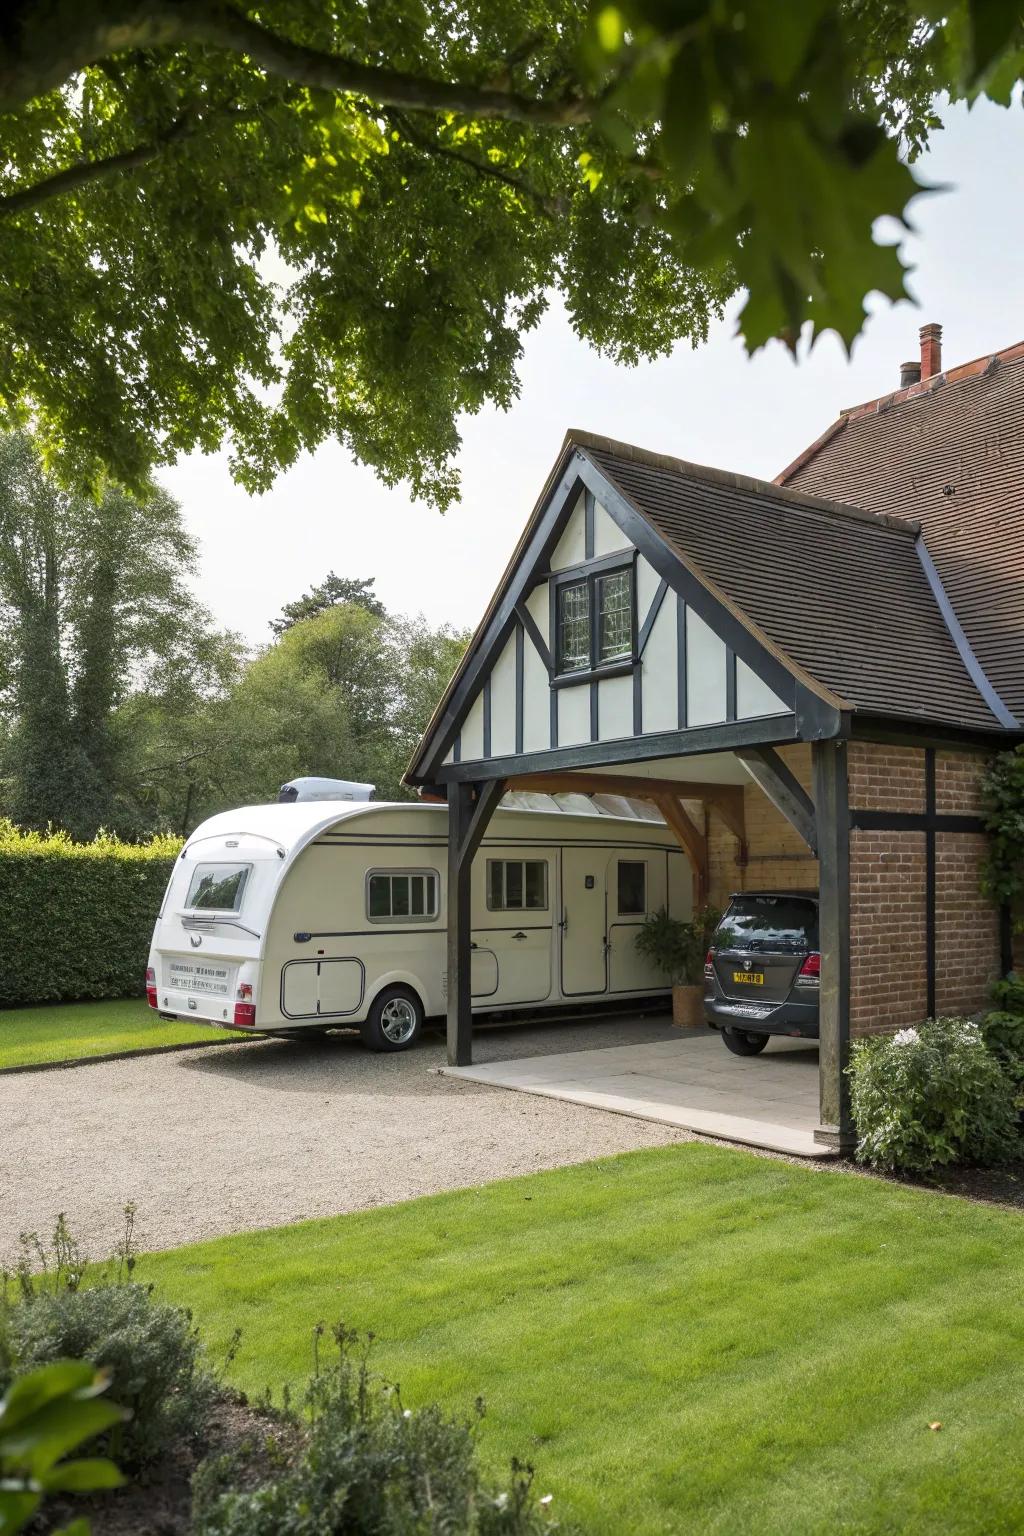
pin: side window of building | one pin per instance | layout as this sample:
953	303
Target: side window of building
401	895
517	885
632	888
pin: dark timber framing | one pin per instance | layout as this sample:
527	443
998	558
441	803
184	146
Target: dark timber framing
832	808
783	789
813	717
470	808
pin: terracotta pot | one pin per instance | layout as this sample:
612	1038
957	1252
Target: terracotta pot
688	1007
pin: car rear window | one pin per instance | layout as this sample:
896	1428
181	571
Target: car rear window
764	922
217	887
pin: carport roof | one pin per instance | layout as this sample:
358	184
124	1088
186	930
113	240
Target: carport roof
844	593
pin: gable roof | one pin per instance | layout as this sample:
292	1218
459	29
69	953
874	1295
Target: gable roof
840	597
840	591
949	452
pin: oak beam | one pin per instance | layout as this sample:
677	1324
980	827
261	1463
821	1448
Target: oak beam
778	782
693	843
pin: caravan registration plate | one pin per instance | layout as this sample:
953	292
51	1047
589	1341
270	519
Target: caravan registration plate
185	976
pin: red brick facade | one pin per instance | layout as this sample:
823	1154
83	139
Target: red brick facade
888	893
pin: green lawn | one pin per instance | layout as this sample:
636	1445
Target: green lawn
67	1030
687	1339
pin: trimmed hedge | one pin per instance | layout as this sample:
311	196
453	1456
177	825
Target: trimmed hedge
76	919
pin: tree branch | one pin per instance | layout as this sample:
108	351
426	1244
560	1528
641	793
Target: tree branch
126	25
86	171
481	167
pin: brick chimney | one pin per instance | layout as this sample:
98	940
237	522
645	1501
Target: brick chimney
931	350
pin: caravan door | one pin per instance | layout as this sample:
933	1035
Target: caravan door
583	922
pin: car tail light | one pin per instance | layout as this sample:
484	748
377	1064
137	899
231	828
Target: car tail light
810	972
709	969
245	1015
150	986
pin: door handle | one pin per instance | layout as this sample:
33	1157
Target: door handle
519	935
564	924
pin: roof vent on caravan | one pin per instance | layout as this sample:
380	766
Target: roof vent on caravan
312	788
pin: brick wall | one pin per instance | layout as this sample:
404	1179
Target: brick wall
888	956
888	940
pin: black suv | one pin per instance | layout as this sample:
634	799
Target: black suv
762	972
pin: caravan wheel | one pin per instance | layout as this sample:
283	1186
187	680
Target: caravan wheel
394	1022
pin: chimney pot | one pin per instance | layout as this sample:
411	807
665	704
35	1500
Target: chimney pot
931	350
910	373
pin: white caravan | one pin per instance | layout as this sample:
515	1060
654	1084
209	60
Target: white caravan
292	918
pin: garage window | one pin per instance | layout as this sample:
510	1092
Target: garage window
401	895
517	885
632	888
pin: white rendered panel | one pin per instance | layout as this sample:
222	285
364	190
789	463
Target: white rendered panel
537	605
473	732
574	715
536	700
571	548
753	696
503	702
608	536
705	673
647	583
660	664
615	708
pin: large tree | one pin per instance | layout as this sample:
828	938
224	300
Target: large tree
314	218
94	607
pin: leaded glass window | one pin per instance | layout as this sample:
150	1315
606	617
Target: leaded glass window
574	627
614	616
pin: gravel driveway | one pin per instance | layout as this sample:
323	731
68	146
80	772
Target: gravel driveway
228	1138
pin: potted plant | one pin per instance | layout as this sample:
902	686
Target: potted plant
678	949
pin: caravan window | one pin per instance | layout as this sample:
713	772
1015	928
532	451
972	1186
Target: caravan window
517	885
217	887
401	894
632	888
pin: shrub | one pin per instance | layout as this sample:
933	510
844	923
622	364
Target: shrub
931	1096
150	1350
106	895
369	1468
675	947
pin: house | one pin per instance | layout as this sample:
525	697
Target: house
806	677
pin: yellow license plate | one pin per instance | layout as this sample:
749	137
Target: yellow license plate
752	978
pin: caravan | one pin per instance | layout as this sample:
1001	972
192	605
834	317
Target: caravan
315	915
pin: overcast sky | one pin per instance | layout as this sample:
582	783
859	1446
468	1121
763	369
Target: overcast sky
711	405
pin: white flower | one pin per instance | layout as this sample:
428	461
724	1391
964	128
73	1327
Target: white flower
547	1498
906	1037
501	1502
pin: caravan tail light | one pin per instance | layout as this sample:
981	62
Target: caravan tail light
245	1016
150	986
810	972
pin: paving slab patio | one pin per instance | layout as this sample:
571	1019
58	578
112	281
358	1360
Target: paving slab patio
692	1082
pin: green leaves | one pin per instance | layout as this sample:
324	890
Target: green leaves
339	220
45	1416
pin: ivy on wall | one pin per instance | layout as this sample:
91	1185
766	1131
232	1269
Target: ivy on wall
1003	871
76	919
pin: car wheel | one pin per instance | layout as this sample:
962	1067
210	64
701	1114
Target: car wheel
394	1021
742	1043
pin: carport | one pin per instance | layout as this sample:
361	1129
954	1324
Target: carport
741	655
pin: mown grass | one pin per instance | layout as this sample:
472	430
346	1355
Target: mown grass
29	1036
687	1339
